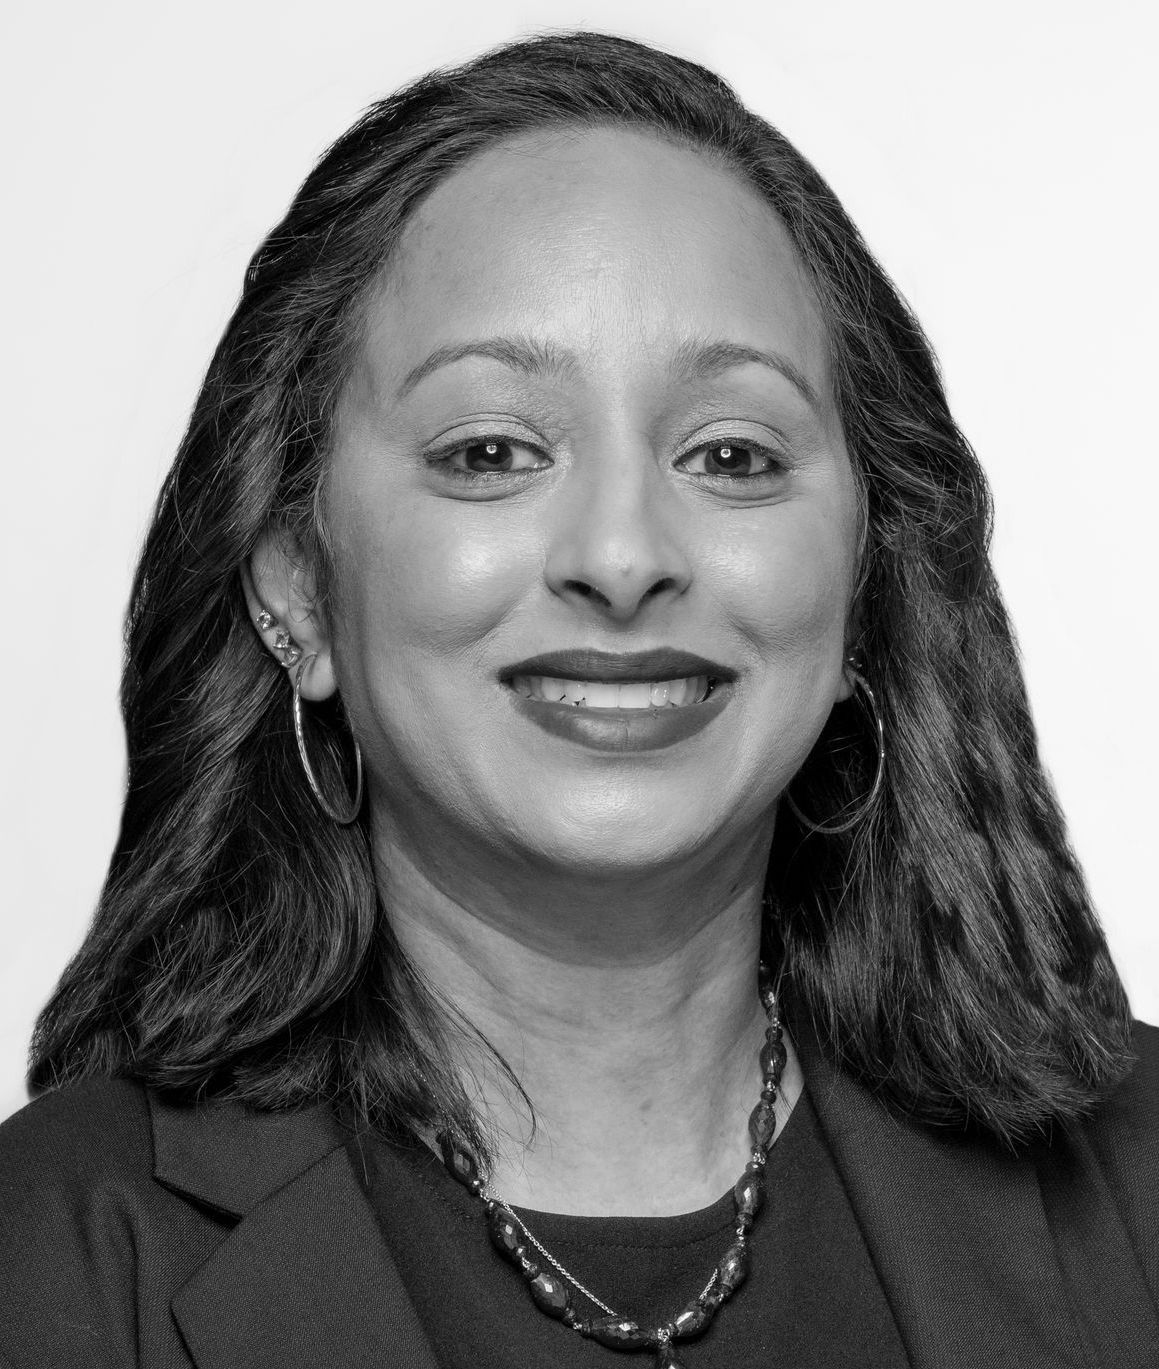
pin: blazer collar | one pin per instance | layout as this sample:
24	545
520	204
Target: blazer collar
959	1236
304	1277
231	1158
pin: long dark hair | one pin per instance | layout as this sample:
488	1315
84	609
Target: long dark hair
944	947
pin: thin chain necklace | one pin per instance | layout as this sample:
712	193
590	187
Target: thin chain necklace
551	1285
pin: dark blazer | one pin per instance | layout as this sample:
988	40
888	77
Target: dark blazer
135	1233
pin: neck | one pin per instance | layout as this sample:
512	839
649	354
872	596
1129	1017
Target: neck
628	1011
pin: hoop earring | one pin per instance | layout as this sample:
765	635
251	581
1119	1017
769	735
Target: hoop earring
343	816
830	829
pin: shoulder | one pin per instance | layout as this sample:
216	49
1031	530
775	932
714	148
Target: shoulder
82	1154
96	1130
112	1198
1123	1134
1128	1119
76	1194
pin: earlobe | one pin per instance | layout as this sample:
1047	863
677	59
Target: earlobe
279	596
848	684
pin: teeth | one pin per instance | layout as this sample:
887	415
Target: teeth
601	695
639	694
636	696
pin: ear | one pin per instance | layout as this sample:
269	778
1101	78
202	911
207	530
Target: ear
277	582
847	684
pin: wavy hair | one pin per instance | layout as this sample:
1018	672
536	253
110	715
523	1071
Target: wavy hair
945	947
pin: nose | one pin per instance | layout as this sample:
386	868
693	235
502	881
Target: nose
616	540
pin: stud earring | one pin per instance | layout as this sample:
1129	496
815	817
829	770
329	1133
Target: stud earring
289	651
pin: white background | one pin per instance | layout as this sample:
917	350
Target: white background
998	156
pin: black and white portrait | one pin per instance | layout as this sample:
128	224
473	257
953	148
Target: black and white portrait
580	764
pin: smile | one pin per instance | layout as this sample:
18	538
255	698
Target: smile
606	695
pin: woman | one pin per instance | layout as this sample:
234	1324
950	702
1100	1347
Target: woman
570	596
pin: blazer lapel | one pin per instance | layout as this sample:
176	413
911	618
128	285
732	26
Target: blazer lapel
956	1230
304	1280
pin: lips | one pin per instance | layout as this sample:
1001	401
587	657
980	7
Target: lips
614	727
660	663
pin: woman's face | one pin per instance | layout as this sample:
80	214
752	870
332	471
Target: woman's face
591	414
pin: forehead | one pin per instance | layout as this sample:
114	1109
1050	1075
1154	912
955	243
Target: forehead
611	241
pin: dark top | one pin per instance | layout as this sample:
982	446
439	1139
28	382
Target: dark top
812	1300
135	1232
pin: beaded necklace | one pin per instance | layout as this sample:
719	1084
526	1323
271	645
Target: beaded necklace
550	1288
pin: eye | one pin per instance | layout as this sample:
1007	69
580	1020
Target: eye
728	458
491	456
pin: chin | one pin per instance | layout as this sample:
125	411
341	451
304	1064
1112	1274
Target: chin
611	844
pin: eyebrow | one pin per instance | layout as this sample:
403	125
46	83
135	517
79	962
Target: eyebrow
694	359
522	354
698	359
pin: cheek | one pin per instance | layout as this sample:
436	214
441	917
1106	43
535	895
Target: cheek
790	600
787	588
430	578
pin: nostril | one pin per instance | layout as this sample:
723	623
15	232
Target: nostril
623	597
660	586
589	591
